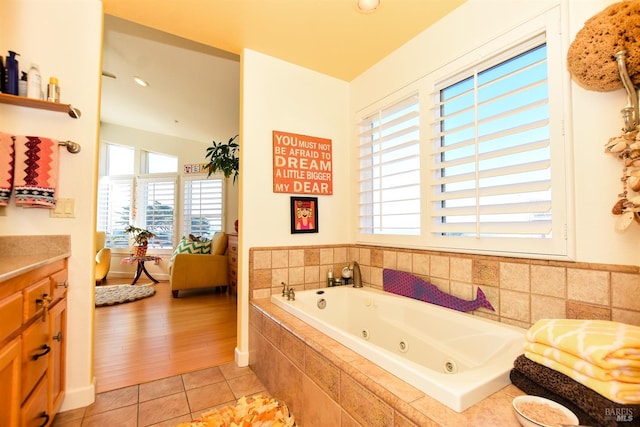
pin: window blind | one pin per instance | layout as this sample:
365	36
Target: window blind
389	170
114	209
156	203
202	212
491	165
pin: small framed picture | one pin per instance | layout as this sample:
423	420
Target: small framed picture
304	214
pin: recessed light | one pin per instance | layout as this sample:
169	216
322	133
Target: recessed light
368	5
140	81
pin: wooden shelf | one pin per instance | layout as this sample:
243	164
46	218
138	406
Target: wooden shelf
37	103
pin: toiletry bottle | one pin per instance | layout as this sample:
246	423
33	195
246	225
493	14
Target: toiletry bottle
330	278
3	78
53	90
12	74
34	83
22	85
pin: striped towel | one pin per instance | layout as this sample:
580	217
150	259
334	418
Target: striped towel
36	171
7	157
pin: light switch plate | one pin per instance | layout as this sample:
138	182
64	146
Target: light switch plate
65	208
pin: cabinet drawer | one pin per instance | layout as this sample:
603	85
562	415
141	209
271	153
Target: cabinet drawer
11	315
34	411
36	298
35	354
59	284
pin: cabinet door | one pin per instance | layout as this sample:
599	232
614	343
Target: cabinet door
57	359
10	369
34	410
35	354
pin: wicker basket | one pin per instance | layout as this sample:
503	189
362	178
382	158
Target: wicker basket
140	251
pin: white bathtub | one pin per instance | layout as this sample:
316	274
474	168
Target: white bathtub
456	358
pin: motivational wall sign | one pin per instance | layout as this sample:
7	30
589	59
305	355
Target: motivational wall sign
301	164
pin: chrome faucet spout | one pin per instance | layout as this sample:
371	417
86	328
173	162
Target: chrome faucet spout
357	277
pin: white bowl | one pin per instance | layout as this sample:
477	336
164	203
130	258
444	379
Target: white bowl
528	419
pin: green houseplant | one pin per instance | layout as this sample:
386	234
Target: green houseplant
223	157
140	238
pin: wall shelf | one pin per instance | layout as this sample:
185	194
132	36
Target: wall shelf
37	103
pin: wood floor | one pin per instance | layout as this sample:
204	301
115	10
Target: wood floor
161	336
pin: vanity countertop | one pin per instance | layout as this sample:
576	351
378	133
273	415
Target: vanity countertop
20	254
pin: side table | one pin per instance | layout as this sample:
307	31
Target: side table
141	268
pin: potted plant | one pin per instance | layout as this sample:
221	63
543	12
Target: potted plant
223	157
140	237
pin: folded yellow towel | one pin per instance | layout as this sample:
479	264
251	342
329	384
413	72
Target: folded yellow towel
623	373
606	344
616	391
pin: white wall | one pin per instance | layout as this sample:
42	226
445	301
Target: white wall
593	118
277	95
64	39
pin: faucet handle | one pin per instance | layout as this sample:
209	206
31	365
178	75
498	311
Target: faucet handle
284	289
291	295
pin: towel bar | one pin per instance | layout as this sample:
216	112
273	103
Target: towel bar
72	147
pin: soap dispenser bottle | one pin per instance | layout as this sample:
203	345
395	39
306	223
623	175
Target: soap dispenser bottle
22	84
330	278
34	83
12	73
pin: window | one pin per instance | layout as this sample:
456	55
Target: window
389	165
471	157
150	198
492	156
202	213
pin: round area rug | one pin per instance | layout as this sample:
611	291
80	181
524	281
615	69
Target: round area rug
120	294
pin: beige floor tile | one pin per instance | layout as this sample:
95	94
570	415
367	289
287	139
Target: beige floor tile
202	378
113	400
160	388
174	421
67	418
162	409
210	395
230	370
246	385
121	417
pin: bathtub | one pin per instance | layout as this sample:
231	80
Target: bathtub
454	357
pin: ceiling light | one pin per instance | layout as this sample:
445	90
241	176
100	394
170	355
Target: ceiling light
140	81
368	5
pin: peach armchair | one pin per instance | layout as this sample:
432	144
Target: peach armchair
197	270
103	257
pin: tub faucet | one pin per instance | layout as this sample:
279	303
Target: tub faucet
291	294
357	277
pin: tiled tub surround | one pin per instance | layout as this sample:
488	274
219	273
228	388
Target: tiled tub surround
327	384
521	290
456	358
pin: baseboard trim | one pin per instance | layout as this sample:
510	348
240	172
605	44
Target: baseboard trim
241	358
79	398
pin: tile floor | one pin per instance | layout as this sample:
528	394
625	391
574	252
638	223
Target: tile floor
166	402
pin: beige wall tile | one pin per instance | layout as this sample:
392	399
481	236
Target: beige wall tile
293	348
548	280
404	261
364	256
486	272
546	307
579	310
280	258
421	264
261	279
375	279
461	269
319	409
296	257
588	286
326	255
311	256
462	290
514	276
312	274
439	266
515	305
390	260
493	295
261	259
377	258
625	291
340	255
625	316
364	406
278	276
296	275
262	293
324	373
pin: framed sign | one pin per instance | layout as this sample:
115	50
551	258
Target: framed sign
302	164
304	214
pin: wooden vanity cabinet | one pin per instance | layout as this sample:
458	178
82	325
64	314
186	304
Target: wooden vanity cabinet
33	307
232	256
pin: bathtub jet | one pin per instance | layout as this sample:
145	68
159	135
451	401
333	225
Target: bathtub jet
454	357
